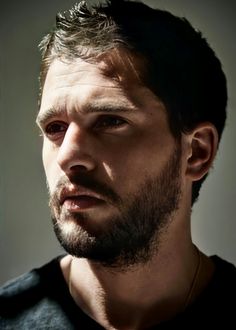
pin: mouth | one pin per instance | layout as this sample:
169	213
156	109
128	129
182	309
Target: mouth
78	200
82	202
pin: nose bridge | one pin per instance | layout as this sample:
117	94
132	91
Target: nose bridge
74	150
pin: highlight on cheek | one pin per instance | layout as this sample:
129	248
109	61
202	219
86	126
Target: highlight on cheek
108	171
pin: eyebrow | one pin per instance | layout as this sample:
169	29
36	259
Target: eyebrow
47	115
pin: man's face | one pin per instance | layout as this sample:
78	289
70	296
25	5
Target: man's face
112	165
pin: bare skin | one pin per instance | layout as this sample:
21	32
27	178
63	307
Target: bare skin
139	298
143	295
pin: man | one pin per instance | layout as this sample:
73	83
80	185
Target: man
132	108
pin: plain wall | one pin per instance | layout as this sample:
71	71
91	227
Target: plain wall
26	236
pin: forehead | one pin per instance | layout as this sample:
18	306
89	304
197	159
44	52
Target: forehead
63	74
73	84
115	75
117	65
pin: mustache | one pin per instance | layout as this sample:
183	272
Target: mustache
87	182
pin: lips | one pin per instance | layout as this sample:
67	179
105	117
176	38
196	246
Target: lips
82	202
79	199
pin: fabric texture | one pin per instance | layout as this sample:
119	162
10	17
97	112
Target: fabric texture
41	300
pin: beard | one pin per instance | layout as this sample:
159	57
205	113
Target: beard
134	235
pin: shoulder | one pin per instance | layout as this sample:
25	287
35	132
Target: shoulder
222	287
41	300
31	282
27	297
225	274
215	306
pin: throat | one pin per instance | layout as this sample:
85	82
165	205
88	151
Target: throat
127	301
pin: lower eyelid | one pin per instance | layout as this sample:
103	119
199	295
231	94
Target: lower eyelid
61	127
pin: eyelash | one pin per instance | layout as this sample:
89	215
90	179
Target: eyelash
54	129
107	120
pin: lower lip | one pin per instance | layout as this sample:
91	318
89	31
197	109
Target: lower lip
81	203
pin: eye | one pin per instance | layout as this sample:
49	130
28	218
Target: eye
106	122
55	130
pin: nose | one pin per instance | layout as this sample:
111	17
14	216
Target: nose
75	152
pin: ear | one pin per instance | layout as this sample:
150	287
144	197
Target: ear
203	144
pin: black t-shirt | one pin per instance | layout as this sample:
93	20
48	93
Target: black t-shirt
40	300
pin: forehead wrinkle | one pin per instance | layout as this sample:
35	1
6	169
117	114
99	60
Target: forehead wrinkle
88	84
90	107
102	101
72	72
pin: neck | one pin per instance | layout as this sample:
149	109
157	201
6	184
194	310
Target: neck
167	283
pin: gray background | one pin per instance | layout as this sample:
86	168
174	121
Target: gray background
26	236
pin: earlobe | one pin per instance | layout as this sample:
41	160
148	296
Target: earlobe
203	147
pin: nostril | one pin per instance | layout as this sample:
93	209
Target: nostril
79	168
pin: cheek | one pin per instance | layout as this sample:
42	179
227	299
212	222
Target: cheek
50	166
128	167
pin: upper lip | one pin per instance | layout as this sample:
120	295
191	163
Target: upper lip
70	192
